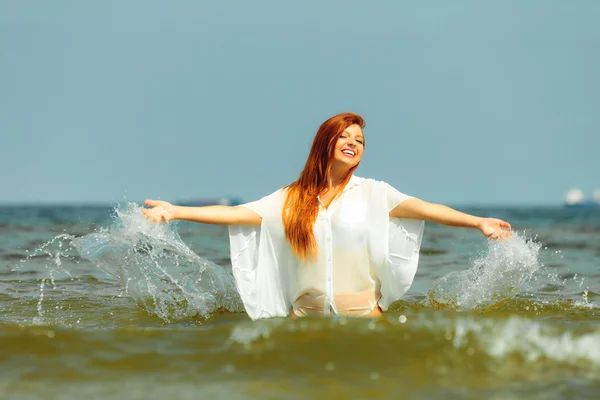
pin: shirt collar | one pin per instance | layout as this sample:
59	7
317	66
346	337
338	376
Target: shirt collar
354	181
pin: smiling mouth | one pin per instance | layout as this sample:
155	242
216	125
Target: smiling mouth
349	153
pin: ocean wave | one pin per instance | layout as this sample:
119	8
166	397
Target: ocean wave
532	340
497	339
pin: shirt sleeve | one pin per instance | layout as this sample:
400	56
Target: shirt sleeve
393	197
259	260
268	206
402	243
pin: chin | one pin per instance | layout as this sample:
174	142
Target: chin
348	163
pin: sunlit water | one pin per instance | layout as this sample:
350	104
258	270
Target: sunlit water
100	303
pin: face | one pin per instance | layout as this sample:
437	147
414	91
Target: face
350	146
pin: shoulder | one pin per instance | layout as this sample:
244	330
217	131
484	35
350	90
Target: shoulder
279	195
269	204
370	183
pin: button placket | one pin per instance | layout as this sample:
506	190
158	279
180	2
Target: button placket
330	302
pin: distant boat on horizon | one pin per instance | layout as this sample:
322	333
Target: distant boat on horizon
576	199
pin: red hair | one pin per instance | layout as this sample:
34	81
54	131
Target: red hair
301	205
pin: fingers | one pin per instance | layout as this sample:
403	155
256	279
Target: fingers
501	235
148	213
152	215
504	224
497	229
506	237
151	203
506	232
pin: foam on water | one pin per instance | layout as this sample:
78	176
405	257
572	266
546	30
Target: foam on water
532	340
155	267
246	333
491	280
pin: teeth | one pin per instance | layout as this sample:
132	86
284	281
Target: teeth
348	152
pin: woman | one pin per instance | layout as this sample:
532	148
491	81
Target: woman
331	242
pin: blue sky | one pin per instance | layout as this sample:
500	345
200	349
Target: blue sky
466	102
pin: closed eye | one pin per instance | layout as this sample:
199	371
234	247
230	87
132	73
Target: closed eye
362	142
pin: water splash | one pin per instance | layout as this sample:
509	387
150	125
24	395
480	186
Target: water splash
54	271
155	267
491	280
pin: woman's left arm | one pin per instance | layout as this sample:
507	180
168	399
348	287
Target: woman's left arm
440	214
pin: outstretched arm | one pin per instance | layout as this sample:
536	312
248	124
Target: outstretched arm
162	211
440	214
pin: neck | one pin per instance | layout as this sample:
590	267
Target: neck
337	175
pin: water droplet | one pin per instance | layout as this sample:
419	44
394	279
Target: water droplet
402	319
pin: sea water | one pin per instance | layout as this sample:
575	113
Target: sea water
97	302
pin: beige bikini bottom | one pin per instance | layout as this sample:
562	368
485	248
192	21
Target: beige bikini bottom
363	304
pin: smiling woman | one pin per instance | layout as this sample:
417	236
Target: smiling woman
330	242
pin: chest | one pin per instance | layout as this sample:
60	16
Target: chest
345	223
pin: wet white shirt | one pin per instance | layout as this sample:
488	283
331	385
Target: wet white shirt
360	250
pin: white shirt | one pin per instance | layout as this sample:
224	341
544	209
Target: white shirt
360	248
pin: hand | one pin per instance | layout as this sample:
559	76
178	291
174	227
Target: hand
161	211
495	229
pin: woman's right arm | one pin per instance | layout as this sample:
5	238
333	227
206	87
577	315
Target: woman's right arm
162	211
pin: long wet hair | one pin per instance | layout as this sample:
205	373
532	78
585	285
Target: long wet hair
301	205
